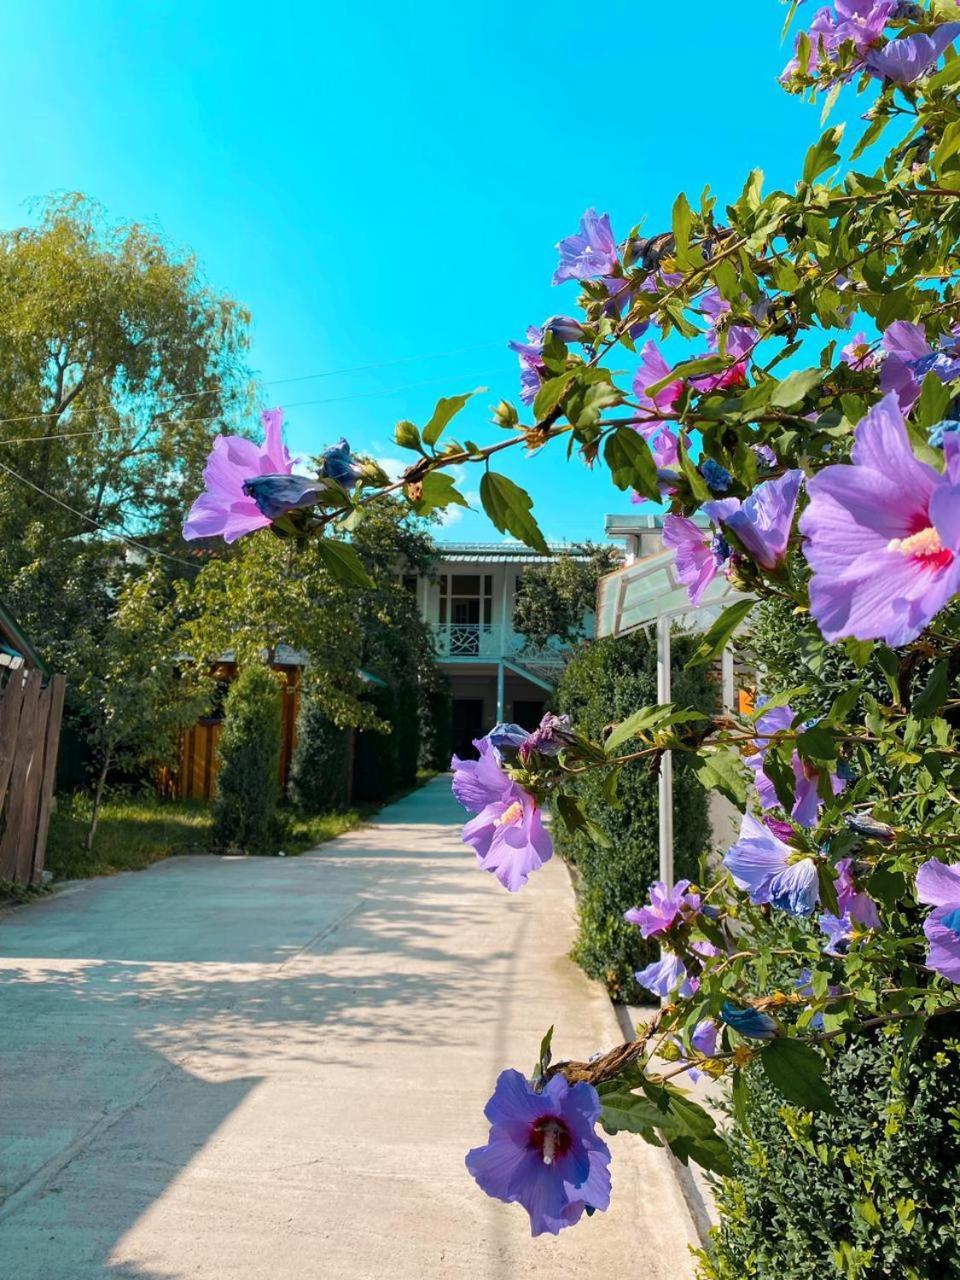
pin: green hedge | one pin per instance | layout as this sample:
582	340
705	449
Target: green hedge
376	761
320	768
436	721
248	775
605	681
870	1191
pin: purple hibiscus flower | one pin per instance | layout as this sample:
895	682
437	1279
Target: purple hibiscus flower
905	60
665	907
551	736
852	901
699	554
909	357
769	871
507	834
740	339
859	354
667	975
938	886
763	521
653	369
703	1040
589	254
543	1151
224	508
862	21
806	805
531	363
882	535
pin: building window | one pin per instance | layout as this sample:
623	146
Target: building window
409	581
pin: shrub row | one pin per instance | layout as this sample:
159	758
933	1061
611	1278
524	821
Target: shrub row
605	681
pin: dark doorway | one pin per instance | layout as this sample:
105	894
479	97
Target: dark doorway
467	725
527	713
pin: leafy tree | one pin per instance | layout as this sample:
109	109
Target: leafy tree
248	783
124	676
554	600
270	591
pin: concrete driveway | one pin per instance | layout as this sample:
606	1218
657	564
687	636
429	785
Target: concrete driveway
267	1069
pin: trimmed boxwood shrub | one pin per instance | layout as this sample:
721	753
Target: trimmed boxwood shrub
869	1191
605	681
320	768
248	774
436	721
375	775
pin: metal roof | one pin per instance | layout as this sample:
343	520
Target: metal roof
515	552
18	642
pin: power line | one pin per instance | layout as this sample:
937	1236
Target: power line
277	382
215	417
123	535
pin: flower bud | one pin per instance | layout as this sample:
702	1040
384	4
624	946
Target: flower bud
406	435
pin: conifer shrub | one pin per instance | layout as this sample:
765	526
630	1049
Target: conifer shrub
606	681
249	762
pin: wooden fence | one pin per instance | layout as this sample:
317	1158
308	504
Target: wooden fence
30	713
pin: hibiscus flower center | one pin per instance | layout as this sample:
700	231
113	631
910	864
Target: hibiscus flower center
551	1137
513	813
922	545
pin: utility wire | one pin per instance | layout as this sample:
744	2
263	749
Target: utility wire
277	382
215	417
123	535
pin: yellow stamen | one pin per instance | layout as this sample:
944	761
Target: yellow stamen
925	543
510	815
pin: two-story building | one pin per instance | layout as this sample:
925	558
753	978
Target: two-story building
468	600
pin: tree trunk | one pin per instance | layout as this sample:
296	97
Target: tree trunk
98	800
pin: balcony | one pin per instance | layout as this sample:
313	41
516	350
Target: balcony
468	640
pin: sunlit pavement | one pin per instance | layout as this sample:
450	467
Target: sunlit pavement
270	1069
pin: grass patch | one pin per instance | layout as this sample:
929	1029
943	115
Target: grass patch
138	830
134	831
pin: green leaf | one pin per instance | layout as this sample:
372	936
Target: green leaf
342	563
817	743
719	635
935	692
645	718
447	408
437	491
624	1111
543	1058
796	1070
550	395
796	387
723	771
932	406
682	222
780	772
948	146
698	486
823	155
631	463
827	884
509	507
575	820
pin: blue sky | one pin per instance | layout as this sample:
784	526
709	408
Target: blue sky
384	184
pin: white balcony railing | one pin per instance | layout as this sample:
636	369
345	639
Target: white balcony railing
467	640
485	640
